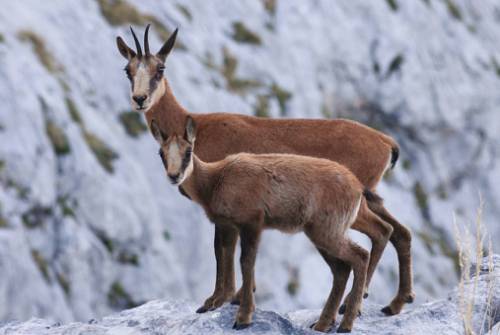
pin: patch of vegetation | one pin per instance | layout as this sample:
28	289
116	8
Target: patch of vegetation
42	264
422	199
2	39
126	257
64	282
406	164
120	12
282	96
395	65
22	191
454	10
428	241
108	242
261	108
442	191
496	66
38	44
105	155
185	11
243	35
119	299
270	6
234	83
326	111
133	123
58	138
293	283
392	5
36	216
427	2
73	111
3	220
66	206
166	235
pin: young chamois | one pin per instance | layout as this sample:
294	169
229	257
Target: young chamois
291	193
364	151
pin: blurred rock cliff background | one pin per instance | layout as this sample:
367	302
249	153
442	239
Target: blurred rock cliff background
88	222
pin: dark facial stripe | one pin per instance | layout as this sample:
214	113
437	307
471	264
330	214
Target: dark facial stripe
186	159
163	159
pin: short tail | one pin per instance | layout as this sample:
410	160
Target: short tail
371	196
394	156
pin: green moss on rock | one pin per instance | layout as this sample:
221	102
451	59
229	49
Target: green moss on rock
58	138
73	111
234	83
126	257
454	10
244	35
282	96
38	44
133	123
185	11
119	299
120	12
36	216
41	263
261	108
393	4
166	235
105	155
64	282
421	197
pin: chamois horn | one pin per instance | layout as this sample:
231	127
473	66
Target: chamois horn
146	41
137	45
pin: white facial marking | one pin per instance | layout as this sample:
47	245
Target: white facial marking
141	80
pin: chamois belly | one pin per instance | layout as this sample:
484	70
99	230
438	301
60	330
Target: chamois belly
289	215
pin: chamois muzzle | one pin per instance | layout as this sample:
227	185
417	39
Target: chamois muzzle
139	99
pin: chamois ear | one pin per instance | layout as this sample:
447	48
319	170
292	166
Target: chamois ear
159	136
124	49
167	47
190	134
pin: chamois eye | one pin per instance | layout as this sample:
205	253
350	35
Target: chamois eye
159	72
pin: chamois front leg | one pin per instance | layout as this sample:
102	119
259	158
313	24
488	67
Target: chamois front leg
224	245
249	236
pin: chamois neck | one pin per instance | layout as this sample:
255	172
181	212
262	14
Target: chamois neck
168	112
200	183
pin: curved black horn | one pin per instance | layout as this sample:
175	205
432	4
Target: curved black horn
137	45
146	41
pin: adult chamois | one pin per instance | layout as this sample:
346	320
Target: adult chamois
364	151
291	193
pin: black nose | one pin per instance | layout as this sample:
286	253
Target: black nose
173	177
139	99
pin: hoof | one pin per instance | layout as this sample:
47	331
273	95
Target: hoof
342	309
387	311
240	326
365	295
235	302
202	309
410	298
343	330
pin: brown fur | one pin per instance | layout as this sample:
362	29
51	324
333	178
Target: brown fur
278	191
365	151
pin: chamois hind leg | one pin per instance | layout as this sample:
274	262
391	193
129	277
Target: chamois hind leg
342	248
340	271
401	239
224	245
379	233
250	236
